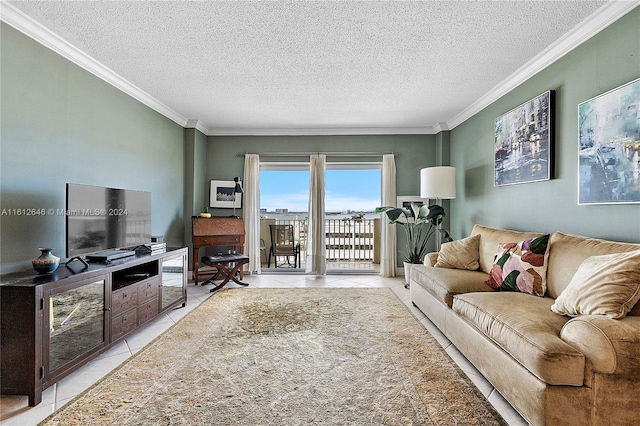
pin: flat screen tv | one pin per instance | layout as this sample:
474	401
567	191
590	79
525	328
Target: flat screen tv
100	219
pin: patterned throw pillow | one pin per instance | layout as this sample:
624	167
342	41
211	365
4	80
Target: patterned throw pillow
521	266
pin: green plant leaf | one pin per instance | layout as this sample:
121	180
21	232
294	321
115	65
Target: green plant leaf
419	222
435	211
395	214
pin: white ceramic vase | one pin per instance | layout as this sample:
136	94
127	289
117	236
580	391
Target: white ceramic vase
407	273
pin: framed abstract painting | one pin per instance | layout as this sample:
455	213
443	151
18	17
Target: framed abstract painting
523	142
609	147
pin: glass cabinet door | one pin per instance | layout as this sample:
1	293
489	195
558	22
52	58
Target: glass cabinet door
76	322
173	276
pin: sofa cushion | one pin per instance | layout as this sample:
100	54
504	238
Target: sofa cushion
603	285
460	254
567	252
525	328
443	283
491	237
521	266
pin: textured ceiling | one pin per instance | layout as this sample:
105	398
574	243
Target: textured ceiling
241	66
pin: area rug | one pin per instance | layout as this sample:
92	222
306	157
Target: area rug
287	357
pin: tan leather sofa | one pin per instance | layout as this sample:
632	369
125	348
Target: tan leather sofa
553	369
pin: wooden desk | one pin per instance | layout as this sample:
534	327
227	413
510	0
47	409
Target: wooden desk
215	231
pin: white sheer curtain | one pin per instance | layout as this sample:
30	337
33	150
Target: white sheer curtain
251	210
388	254
316	256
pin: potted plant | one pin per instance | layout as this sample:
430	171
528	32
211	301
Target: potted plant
419	222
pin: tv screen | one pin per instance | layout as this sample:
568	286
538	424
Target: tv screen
101	218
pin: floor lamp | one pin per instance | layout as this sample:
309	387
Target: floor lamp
438	183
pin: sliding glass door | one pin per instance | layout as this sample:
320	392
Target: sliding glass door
352	192
352	229
284	204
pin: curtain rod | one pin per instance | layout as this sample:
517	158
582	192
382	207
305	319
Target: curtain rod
304	154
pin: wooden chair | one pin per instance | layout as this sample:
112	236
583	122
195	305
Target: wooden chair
283	244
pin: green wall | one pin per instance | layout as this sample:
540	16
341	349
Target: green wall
412	153
62	124
606	61
195	167
195	171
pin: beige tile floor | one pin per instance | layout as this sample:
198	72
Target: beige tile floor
14	410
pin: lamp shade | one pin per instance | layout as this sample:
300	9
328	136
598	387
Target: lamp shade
438	182
238	188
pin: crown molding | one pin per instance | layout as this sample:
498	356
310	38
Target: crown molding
598	21
324	131
27	25
198	125
441	127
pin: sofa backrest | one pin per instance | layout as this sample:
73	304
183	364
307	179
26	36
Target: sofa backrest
567	252
490	238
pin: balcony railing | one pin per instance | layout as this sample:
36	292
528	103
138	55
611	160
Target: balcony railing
349	242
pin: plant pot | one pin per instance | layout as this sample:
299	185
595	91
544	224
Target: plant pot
407	273
205	215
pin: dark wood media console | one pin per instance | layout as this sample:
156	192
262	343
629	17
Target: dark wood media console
53	324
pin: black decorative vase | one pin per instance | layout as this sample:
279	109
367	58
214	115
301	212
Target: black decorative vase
46	263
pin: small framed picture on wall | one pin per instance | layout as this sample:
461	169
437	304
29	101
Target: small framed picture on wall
222	195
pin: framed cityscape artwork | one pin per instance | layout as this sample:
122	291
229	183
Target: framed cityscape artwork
221	195
609	147
523	143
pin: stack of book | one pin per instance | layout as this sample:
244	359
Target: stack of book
157	247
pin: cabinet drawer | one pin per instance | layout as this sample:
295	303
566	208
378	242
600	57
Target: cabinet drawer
123	300
217	226
218	240
147	290
147	310
123	324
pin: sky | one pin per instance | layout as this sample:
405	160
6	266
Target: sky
355	190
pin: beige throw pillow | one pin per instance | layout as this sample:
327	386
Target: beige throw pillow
603	285
460	254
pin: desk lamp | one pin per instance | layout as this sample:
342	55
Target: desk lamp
237	189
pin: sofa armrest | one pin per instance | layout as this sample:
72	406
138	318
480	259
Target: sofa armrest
611	345
430	259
